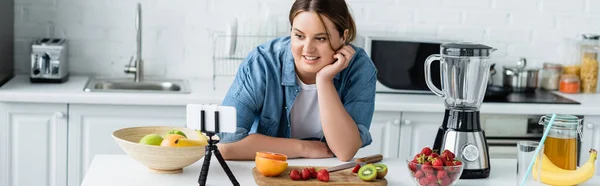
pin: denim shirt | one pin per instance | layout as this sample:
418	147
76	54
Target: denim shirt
265	88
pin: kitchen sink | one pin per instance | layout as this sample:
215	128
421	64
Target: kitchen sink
128	85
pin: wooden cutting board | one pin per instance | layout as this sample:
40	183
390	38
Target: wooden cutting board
343	177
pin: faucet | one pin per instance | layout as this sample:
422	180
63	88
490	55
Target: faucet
138	67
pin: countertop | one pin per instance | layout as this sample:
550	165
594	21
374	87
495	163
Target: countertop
117	170
19	89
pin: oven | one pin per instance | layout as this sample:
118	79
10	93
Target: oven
400	63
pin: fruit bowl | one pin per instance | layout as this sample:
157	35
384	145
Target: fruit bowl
423	174
159	159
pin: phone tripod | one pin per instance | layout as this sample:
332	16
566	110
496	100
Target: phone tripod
208	153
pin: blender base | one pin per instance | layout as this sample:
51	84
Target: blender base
475	173
462	134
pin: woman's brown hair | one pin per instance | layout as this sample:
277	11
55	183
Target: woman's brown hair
335	10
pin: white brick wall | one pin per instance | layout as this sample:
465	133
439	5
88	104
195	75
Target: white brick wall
177	33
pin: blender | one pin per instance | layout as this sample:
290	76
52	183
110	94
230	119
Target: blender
464	72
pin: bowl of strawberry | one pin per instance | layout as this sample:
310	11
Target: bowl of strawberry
428	168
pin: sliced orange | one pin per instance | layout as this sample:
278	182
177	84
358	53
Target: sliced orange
270	167
272	155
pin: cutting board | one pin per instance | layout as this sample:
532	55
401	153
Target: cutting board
343	177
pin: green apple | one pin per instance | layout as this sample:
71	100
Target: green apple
151	139
175	131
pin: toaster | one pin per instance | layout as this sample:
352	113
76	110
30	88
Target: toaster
49	62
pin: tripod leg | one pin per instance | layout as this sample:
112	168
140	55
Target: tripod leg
205	166
225	167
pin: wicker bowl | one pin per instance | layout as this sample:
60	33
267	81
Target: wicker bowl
159	159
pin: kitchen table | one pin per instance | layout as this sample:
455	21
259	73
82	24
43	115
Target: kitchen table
117	170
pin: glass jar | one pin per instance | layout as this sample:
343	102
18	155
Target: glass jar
561	143
551	76
588	72
569	83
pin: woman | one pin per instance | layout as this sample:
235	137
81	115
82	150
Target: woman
310	85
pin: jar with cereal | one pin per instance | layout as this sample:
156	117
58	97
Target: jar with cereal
588	72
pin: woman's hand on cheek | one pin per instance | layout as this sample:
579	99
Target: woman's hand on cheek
343	57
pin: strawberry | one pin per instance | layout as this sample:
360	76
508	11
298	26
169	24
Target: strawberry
444	158
457	162
432	184
449	154
419	174
305	174
420	158
417	157
449	166
423	181
427	168
441	174
323	175
431	178
295	175
411	165
437	162
434	155
357	167
426	151
313	173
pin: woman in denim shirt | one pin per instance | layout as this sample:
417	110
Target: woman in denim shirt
312	84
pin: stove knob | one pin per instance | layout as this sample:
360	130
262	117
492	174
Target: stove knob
590	126
407	122
470	153
397	122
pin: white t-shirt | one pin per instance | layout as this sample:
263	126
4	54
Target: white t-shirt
305	117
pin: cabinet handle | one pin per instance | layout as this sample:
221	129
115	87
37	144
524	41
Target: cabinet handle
407	122
397	122
590	125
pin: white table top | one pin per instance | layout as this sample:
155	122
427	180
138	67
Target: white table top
117	170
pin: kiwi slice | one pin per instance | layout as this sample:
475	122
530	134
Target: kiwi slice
381	170
367	172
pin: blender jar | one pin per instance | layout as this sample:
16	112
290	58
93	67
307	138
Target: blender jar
561	143
464	73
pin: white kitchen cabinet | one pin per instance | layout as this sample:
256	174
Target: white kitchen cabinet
385	132
33	144
418	130
91	127
591	139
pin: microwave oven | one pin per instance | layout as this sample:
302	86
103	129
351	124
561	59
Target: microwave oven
400	63
6	41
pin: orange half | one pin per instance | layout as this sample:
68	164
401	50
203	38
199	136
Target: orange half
272	155
270	167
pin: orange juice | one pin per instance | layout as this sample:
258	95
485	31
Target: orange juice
561	143
562	152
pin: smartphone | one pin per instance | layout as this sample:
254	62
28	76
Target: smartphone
216	118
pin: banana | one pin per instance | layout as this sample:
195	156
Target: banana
201	136
184	142
556	176
547	165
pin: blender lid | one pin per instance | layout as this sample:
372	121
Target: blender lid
466	49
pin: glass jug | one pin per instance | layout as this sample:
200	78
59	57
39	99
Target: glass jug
464	73
561	143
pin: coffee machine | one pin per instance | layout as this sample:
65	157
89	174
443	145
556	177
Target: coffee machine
465	68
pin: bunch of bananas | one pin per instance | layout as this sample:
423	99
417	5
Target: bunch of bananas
553	175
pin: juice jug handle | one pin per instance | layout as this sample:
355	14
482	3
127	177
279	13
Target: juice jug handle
428	61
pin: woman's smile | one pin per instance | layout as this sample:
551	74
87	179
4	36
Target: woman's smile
311	59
